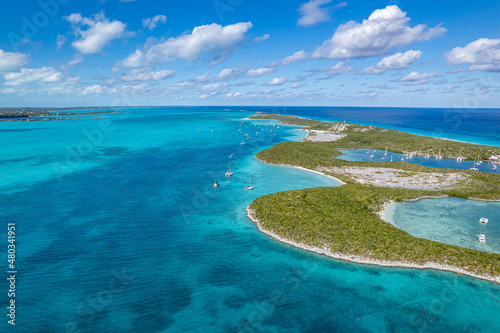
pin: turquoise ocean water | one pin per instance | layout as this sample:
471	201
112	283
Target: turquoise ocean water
119	229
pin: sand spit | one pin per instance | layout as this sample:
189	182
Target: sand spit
386	177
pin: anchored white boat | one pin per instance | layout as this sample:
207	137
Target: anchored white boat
483	220
249	187
482	238
229	173
474	167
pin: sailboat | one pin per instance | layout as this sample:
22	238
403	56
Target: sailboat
439	156
391	157
474	166
460	158
229	173
249	187
385	154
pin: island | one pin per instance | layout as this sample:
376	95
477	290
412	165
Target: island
347	222
46	114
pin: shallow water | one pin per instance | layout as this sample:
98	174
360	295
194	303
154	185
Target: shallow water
449	220
131	236
379	156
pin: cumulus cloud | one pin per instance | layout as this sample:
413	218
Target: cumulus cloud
262	38
415	78
395	61
384	30
260	72
212	38
277	81
151	23
30	75
313	13
143	75
10	61
99	33
482	55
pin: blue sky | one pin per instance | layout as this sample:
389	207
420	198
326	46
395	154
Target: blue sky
240	52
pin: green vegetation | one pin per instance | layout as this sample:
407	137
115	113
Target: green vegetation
342	218
359	136
312	155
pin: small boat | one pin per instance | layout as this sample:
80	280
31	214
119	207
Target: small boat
402	159
385	154
391	157
482	238
216	184
229	173
474	167
460	158
249	187
439	156
483	220
494	168
427	156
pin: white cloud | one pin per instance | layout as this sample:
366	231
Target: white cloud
366	91
312	13
100	32
214	88
381	86
260	72
143	75
277	81
77	58
213	38
151	23
10	61
262	38
93	90
395	61
61	40
337	69
340	5
28	75
456	70
415	78
297	56
482	55
417	90
297	85
384	30
230	73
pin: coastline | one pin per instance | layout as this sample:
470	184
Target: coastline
302	168
363	260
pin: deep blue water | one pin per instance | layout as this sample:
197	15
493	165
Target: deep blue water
379	156
470	125
119	229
